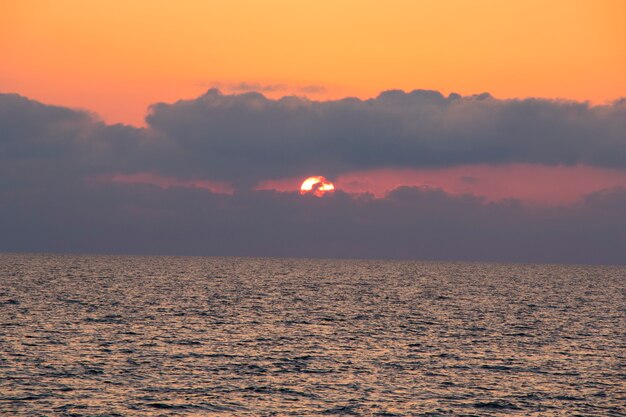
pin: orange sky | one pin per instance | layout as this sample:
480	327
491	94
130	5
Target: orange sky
117	57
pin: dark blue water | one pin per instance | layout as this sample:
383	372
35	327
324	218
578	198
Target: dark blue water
100	335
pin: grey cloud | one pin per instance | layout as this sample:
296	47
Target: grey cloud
312	89
246	87
49	154
411	223
247	138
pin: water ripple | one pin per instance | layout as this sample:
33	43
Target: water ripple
154	336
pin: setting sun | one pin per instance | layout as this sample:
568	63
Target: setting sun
317	186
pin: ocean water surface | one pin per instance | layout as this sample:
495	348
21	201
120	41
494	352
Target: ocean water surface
152	336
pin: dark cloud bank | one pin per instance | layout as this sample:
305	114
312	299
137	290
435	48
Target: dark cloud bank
50	158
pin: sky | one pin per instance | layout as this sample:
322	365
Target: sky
452	130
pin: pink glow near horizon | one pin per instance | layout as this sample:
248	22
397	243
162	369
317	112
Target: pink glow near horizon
530	183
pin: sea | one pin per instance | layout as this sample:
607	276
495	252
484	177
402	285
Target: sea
199	336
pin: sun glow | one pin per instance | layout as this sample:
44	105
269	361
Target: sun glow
318	186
